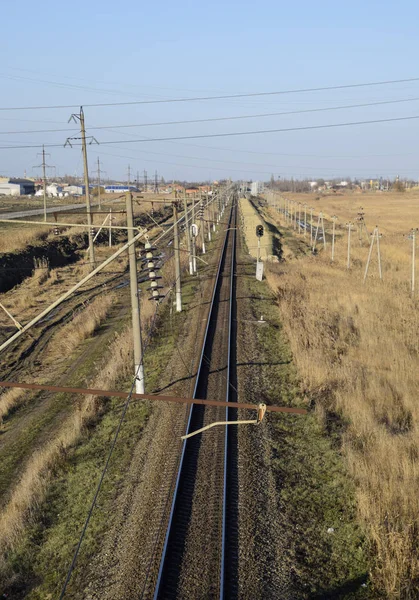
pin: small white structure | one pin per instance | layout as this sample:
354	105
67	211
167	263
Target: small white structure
54	190
257	188
73	190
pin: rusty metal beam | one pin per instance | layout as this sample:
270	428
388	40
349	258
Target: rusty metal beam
117	394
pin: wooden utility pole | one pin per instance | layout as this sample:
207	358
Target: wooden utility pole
135	301
177	258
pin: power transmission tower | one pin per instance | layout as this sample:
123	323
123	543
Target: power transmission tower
145	181
98	172
79	118
156	184
44	177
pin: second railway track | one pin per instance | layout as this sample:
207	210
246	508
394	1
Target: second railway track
200	547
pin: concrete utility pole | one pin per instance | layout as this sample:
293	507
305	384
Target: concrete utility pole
44	178
177	258
413	238
86	189
193	234
80	118
135	301
99	171
129	176
333	237
201	215
348	259
188	234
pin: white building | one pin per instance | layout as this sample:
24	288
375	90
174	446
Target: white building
73	190
257	188
16	187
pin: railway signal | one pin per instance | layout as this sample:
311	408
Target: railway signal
259	263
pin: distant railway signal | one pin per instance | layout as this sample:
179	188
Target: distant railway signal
259	231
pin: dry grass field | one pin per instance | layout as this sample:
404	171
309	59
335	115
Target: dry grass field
356	347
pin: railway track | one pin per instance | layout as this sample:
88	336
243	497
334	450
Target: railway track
200	547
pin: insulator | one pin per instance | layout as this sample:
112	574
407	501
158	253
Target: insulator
56	231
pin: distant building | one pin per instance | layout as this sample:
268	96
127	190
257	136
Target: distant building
257	188
17	187
118	189
73	190
54	191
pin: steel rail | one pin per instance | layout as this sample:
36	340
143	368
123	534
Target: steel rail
186	442
227	398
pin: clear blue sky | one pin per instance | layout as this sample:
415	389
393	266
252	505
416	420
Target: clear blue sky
90	52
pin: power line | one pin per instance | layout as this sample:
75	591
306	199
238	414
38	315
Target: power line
228	134
223	97
230	118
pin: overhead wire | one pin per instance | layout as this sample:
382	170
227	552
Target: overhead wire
226	134
214	119
220	97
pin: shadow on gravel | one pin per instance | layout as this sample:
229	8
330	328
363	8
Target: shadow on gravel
344	591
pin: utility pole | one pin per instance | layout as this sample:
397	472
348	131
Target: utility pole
99	171
80	118
348	260
374	237
311	225
177	258
201	218
44	178
305	220
156	185
413	238
299	217
145	181
128	177
333	237
188	234
135	301
193	233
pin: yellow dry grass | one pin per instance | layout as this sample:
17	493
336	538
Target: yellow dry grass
85	323
31	488
10	400
356	347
